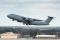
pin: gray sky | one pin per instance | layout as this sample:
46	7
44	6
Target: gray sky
38	9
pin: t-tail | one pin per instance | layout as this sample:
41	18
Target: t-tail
48	20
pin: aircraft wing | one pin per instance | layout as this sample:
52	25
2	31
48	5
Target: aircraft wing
32	19
36	20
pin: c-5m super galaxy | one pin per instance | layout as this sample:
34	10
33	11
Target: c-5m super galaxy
30	21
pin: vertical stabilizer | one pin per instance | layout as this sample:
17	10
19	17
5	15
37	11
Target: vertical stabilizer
48	20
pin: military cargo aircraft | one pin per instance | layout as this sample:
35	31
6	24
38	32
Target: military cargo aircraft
30	21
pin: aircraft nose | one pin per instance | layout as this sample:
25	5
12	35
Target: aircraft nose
9	16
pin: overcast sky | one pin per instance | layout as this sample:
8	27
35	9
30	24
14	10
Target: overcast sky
38	9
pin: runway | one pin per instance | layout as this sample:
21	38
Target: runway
32	39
